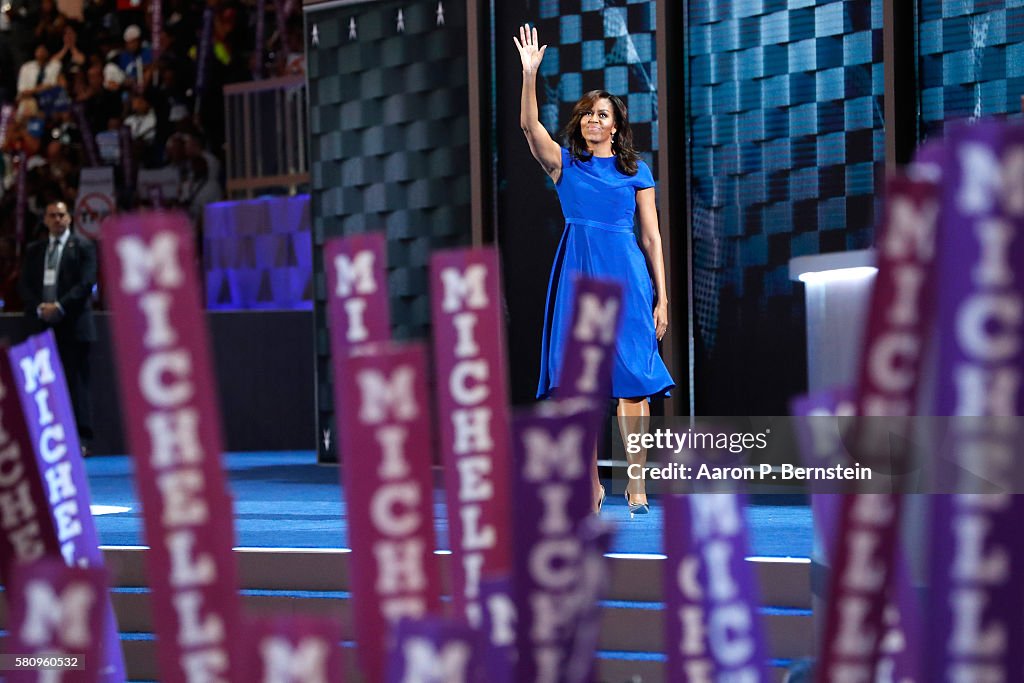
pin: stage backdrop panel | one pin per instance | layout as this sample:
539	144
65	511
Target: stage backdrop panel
389	151
785	106
971	60
591	45
257	254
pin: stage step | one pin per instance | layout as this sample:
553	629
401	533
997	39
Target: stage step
784	582
280	580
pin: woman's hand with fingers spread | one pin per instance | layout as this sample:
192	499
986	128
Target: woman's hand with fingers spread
529	52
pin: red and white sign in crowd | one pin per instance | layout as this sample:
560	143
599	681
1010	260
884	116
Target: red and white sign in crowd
526	581
949	287
173	427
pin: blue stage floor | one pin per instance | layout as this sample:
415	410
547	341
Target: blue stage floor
284	499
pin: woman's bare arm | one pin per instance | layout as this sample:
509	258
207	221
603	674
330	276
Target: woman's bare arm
545	150
650	241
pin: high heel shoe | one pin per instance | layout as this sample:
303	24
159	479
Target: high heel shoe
636	508
600	501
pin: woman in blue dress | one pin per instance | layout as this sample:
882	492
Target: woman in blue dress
601	183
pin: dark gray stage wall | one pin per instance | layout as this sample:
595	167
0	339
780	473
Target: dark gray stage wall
264	366
389	151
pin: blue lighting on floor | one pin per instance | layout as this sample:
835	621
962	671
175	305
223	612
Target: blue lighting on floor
286	499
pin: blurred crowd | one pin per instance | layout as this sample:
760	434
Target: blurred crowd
86	83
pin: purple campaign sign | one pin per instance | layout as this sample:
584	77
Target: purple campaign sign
818	421
817	425
975	557
901	307
498	629
357	299
386	440
862	559
729	595
40	381
927	162
590	342
57	612
592	587
900	651
821	444
434	649
552	487
43	389
172	421
899	318
30	535
981	256
471	390
686	643
975	568
292	648
357	291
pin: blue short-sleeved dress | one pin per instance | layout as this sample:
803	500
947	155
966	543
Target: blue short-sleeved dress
598	202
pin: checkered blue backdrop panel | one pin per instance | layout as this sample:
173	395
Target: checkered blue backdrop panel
785	103
601	45
971	60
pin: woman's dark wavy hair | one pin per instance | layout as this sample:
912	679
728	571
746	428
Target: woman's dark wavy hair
626	157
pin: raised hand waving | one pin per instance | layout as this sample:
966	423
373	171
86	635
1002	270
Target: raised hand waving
529	52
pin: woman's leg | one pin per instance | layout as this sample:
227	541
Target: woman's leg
597	491
633	415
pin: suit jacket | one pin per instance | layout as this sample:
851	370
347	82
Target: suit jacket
76	275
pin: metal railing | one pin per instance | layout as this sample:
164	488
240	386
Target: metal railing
267	131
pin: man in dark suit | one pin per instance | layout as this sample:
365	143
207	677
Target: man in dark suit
57	279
